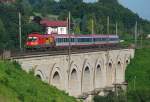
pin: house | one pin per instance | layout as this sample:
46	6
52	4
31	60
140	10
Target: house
55	27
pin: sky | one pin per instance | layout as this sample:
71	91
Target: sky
141	7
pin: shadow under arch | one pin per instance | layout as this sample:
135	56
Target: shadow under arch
98	79
39	74
56	80
74	82
86	77
56	77
110	72
119	71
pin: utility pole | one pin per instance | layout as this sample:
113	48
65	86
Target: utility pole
69	48
92	26
20	35
92	30
107	24
141	34
116	28
135	39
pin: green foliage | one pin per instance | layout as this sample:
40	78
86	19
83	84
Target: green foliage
82	13
138	77
139	67
111	97
18	86
2	34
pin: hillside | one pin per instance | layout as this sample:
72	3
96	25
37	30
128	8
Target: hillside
138	76
82	15
18	86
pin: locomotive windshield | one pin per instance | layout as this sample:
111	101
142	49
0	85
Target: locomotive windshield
32	38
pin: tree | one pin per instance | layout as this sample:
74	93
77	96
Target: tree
2	34
77	29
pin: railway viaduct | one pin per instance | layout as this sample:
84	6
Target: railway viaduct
88	73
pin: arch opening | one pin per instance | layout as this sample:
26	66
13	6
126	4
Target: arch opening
127	62
110	74
110	65
86	84
98	68
73	75
98	77
39	77
119	73
56	80
74	83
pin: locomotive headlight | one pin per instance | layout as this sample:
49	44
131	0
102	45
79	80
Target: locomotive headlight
34	43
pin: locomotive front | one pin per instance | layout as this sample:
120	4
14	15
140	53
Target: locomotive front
33	41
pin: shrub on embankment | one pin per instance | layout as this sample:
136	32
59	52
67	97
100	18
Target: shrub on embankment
18	86
138	77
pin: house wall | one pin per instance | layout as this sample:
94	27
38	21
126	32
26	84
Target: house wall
62	30
57	30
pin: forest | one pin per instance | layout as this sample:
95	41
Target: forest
82	15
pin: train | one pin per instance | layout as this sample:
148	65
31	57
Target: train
37	40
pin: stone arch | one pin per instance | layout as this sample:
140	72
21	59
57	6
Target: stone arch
56	80
74	82
110	73
126	61
119	71
86	78
56	77
40	75
99	76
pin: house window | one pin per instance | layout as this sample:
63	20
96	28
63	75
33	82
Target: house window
61	29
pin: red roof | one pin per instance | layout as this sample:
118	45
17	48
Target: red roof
48	23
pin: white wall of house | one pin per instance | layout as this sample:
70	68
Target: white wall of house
62	30
51	30
57	30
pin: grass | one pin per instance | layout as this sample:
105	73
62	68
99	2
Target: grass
138	72
18	86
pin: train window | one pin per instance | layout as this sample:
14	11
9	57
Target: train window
72	39
105	39
32	38
65	40
62	40
68	39
59	40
